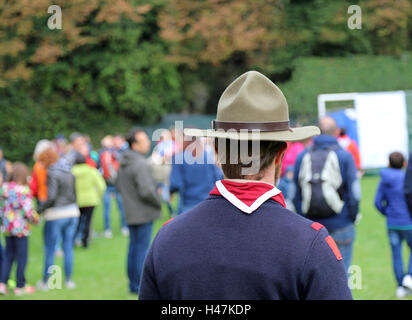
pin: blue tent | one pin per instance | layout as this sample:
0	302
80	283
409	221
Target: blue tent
346	118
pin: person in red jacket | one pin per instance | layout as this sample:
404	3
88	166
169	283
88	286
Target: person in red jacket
38	182
110	165
351	146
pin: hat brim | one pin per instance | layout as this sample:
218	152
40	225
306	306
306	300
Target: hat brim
294	134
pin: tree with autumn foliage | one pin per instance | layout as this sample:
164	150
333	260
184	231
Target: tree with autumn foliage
104	70
211	31
214	41
119	62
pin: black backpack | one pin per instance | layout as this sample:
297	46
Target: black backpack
320	181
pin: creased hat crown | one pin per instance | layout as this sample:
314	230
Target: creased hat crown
252	97
253	103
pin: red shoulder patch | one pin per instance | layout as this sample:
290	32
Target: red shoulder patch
317	226
167	222
332	244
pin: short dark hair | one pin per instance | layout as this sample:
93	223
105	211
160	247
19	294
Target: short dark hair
131	135
342	131
268	152
396	160
79	158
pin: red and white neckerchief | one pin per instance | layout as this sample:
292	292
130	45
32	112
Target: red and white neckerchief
249	195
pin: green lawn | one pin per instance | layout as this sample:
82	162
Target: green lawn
372	250
100	271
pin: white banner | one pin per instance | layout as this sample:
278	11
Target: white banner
382	127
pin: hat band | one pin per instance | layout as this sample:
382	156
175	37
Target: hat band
269	126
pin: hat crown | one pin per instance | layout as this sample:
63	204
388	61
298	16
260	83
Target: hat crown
253	104
252	97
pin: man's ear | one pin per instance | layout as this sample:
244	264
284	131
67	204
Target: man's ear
281	152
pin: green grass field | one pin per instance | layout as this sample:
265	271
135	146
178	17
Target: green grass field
100	270
372	250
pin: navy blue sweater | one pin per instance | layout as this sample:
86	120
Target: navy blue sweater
217	252
350	182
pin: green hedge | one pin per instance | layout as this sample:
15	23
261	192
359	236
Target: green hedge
24	121
29	112
314	76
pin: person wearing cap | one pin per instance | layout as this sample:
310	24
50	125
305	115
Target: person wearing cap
241	242
61	144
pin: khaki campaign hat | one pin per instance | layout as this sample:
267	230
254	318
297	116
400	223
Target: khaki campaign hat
252	107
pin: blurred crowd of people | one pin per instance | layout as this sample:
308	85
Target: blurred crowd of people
70	179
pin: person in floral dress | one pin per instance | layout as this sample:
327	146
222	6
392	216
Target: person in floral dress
16	215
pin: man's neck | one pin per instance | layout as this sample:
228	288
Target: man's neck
268	177
270	180
248	180
139	152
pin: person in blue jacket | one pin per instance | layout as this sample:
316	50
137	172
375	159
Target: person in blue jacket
341	226
193	174
390	201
